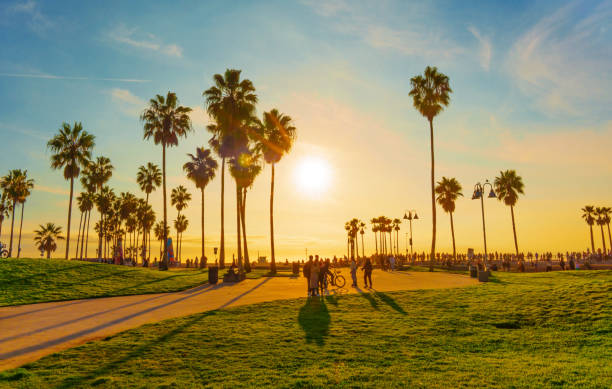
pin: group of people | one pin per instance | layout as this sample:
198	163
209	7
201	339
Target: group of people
318	274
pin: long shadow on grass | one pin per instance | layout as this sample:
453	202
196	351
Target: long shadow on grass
390	302
82	381
314	319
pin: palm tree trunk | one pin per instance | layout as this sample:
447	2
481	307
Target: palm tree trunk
76	254
272	257
21	226
202	263
362	247
514	230
453	235
356	244
144	235
222	243
69	216
603	240
609	236
433	199
592	240
238	226
163	264
87	237
12	227
247	263
376	241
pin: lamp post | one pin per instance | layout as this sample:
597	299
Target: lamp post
479	194
410	215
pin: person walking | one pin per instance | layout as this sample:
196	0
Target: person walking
353	266
306	270
367	273
314	277
323	275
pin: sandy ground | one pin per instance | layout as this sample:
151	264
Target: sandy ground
29	332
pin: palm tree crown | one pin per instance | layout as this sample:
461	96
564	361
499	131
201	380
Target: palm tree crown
180	197
46	237
72	149
508	186
447	191
278	135
149	177
201	168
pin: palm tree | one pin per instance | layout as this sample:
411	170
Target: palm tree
396	226
148	178
588	213
430	94
46	237
607	219
11	185
104	202
5	208
601	214
231	103
165	121
72	150
179	199
25	189
508	187
201	170
278	137
448	190
95	175
180	225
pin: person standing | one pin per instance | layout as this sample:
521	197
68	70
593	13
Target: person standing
353	266
367	273
306	270
314	277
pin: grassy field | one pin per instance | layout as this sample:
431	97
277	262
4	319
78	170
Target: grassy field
25	281
521	330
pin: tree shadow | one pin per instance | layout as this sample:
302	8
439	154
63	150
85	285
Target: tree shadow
390	302
314	319
372	300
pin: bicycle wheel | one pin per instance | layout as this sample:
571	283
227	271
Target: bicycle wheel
340	281
4	254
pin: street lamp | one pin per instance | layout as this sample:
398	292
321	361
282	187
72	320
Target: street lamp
410	216
479	190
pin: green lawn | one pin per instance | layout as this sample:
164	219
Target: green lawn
521	330
25	281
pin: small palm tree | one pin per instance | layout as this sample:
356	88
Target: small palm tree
601	214
104	202
95	175
149	178
165	121
46	237
278	137
180	225
11	185
396	227
508	187
588	213
448	190
431	93
201	169
607	219
179	199
25	189
5	208
71	149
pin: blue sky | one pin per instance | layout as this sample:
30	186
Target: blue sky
531	85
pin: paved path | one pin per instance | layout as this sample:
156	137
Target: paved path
29	332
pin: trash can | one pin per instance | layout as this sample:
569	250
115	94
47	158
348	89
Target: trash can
213	275
296	268
483	275
473	271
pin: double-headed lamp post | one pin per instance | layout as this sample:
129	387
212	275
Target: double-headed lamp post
410	215
479	190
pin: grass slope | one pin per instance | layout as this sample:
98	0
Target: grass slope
522	330
25	281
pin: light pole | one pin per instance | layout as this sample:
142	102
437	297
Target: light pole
408	215
479	194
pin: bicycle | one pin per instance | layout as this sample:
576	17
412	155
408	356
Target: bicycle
3	251
334	278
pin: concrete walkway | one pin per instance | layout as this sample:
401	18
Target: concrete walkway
29	332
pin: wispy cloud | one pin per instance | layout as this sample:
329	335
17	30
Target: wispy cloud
129	103
485	49
55	77
411	42
199	116
51	189
563	61
24	131
327	7
30	9
133	38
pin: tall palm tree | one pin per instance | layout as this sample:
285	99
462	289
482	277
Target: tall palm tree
11	185
448	190
148	178
396	227
201	169
431	93
160	235
165	121
46	237
72	150
104	202
231	103
601	214
508	187
588	212
25	189
96	174
180	225
5	208
179	199
607	219
278	137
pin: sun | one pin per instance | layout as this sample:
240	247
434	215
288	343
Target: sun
313	175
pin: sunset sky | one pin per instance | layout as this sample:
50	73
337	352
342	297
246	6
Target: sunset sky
531	91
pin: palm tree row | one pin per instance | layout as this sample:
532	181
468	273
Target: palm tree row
602	217
16	188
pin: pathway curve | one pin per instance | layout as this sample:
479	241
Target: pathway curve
29	332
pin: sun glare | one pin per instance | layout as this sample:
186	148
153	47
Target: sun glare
313	176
